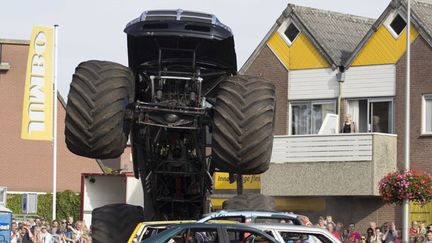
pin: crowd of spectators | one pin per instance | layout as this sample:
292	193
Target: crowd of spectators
67	231
418	232
39	231
387	233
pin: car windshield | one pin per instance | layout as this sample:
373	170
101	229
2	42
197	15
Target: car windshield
152	231
292	237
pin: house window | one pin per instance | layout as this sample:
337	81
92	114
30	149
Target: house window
372	115
307	117
291	32
427	114
395	23
398	24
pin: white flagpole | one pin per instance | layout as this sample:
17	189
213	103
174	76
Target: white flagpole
405	214
54	210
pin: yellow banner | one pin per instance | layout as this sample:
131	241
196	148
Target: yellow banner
286	204
221	180
421	213
38	93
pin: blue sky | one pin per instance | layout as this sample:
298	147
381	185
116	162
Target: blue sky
93	29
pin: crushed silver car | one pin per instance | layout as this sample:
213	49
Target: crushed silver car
283	232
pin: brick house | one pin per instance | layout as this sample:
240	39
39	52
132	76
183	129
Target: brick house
350	65
27	165
385	45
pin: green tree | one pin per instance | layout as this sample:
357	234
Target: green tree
14	203
68	204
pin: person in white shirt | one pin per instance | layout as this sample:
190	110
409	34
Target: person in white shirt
428	237
14	233
45	236
77	231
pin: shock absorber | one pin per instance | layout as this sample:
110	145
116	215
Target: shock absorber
178	187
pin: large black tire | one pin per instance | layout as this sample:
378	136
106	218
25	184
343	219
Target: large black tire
243	125
115	222
99	93
250	202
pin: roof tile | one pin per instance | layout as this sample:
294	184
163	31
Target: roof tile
423	9
337	33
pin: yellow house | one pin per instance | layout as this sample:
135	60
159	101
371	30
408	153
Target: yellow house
325	63
296	45
303	54
383	50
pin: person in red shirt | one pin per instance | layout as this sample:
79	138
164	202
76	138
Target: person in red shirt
331	229
354	236
306	221
414	230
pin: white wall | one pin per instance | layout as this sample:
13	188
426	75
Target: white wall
367	81
370	81
312	84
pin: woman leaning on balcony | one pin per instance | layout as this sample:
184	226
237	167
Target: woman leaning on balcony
348	125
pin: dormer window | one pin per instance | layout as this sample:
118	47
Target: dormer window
398	24
395	24
291	32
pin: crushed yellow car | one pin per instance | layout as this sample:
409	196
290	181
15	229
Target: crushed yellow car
145	230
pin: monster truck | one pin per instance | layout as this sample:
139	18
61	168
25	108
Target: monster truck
184	108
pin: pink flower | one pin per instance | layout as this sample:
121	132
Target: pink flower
411	184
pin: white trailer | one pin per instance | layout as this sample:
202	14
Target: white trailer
101	189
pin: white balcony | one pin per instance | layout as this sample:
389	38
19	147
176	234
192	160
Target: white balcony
337	164
319	148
